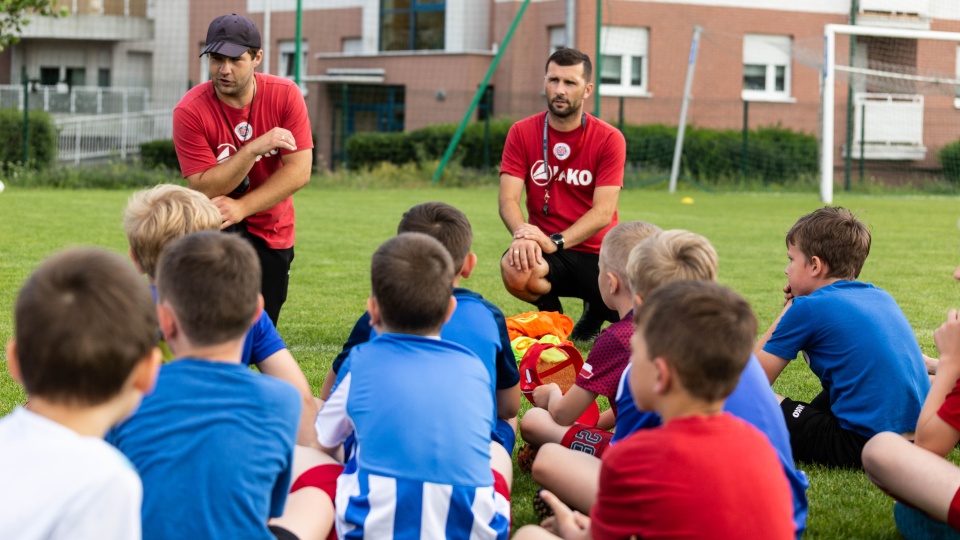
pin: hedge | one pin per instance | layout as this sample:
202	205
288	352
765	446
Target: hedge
774	153
159	154
42	148
949	157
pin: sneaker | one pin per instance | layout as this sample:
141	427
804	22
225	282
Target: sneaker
525	456
591	322
540	507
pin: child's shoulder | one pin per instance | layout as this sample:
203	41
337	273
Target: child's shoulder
466	295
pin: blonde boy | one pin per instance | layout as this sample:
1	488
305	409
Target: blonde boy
691	344
553	419
84	349
156	217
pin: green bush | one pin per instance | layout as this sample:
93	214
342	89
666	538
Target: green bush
949	157
42	147
160	153
116	175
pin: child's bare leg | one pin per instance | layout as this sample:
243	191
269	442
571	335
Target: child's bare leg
532	532
538	427
306	458
570	475
912	474
308	514
501	462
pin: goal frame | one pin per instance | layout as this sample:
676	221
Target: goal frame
828	81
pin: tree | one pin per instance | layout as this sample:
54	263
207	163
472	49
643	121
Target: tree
13	17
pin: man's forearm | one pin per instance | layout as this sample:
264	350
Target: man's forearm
511	215
280	185
589	224
224	177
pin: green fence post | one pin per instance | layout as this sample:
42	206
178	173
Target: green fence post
476	97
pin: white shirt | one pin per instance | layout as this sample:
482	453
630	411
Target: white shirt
55	483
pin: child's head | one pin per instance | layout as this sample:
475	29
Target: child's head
157	216
619	241
443	222
211	281
411	279
697	334
84	320
668	256
834	235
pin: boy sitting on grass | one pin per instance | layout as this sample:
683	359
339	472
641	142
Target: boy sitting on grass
477	324
692	341
157	216
917	474
667	257
420	409
84	349
214	442
553	418
854	337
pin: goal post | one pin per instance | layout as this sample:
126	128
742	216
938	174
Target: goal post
908	103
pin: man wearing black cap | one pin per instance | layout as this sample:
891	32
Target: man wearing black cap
244	140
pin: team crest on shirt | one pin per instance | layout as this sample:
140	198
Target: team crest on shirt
561	150
244	131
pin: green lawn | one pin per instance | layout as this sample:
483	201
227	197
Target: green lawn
914	253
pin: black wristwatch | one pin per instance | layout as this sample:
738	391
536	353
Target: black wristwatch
558	240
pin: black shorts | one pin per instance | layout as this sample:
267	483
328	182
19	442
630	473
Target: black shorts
282	534
275	270
816	435
574	274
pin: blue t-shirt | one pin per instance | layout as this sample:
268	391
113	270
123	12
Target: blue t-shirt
213	445
420	409
863	350
479	326
753	401
262	341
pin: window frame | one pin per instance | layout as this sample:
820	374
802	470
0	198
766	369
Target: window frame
628	43
415	9
767	50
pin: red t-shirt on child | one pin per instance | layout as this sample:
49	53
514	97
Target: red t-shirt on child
695	477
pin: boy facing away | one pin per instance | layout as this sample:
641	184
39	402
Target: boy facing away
553	418
214	442
854	337
476	324
420	409
668	257
918	474
692	341
156	217
84	349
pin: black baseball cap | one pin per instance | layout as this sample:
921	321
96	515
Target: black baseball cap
231	35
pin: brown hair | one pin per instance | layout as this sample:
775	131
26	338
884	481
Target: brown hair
704	331
84	319
570	57
835	235
411	278
618	243
212	282
443	222
157	216
668	256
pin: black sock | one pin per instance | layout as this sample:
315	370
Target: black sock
549	302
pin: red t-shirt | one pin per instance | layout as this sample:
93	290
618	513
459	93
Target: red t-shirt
607	360
204	138
695	477
949	411
577	168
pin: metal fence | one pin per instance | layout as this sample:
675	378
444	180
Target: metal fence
110	135
61	99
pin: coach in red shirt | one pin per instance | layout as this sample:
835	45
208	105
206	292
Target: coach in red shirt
571	166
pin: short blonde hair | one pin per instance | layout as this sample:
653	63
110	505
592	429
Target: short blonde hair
668	256
157	216
620	241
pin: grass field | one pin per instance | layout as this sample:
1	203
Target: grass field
914	252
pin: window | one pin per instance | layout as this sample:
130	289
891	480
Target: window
352	45
557	37
288	50
623	70
412	25
956	96
49	75
766	68
103	77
